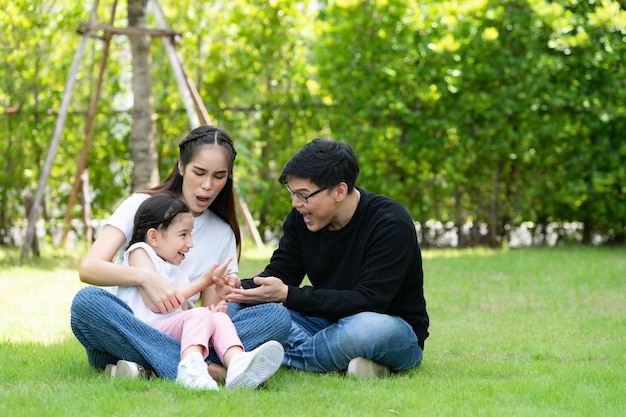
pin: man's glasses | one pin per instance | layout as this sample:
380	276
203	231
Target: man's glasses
304	198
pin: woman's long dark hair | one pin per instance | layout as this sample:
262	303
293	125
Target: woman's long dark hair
224	204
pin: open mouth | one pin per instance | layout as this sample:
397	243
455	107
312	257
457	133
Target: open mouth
203	200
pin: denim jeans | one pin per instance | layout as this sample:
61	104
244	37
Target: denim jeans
109	331
316	344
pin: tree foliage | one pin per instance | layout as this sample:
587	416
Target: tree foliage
484	113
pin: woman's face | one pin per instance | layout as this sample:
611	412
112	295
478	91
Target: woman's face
204	177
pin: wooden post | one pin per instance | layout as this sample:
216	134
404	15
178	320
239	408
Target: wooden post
54	144
86	203
28	202
191	98
82	159
177	67
249	222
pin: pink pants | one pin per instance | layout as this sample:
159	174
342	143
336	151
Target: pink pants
200	326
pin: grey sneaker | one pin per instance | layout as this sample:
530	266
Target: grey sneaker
366	368
193	373
251	369
110	370
125	369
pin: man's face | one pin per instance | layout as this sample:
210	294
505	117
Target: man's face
317	206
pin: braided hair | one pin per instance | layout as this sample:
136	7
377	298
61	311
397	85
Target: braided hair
157	212
224	204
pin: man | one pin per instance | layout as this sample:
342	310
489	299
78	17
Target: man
365	309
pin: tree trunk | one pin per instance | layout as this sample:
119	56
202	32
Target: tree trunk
143	130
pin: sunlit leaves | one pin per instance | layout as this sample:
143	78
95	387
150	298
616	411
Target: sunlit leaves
479	110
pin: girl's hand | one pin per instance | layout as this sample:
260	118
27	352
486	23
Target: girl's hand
221	307
224	286
233	281
216	271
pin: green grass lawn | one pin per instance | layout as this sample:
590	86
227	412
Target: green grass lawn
529	332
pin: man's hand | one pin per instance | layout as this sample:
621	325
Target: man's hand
271	289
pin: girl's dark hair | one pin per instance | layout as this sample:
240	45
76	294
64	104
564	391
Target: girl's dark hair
224	204
157	212
325	162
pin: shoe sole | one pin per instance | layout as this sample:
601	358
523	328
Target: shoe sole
264	364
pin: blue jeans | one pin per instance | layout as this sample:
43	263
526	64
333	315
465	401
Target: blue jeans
109	331
316	344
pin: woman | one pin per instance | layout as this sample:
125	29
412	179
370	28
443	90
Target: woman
106	326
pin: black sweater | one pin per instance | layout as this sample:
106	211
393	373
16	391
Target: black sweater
373	264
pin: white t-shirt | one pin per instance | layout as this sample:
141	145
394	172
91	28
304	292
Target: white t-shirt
132	296
213	240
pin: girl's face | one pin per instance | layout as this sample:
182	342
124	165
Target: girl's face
204	177
173	244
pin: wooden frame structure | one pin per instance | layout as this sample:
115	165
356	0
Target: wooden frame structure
194	106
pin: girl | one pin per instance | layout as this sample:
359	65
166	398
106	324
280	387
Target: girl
202	178
160	241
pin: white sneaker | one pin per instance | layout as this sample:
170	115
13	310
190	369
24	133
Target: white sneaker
251	369
366	368
125	369
193	373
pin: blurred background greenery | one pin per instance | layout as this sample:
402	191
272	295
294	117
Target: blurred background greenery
479	116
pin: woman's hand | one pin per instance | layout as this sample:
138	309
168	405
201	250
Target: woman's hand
158	293
161	296
97	269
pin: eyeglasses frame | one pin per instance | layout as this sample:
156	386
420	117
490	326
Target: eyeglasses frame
304	198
